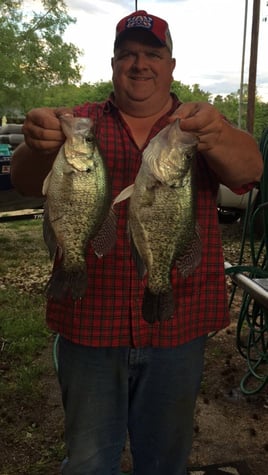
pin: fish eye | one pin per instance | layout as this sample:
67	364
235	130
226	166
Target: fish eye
89	138
189	155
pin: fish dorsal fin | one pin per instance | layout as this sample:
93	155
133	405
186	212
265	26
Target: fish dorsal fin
123	195
191	258
105	238
46	183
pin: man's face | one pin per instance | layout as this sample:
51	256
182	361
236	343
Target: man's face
142	68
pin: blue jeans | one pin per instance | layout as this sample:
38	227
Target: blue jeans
149	391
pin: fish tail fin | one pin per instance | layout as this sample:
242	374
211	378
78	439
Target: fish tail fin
157	307
61	282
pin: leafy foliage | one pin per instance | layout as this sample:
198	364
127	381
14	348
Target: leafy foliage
189	93
70	94
33	53
231	108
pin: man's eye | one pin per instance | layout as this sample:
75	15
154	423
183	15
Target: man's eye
153	54
126	54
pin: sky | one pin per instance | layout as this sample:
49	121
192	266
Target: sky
207	39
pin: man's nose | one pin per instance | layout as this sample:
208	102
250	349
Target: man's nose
140	61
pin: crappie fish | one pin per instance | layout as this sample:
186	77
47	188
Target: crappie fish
78	198
162	217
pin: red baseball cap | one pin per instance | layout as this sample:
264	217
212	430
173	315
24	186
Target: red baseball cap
143	20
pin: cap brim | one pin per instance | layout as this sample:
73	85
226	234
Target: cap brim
147	36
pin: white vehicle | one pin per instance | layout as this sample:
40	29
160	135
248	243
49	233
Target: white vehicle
232	206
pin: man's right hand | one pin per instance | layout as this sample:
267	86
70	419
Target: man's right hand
42	130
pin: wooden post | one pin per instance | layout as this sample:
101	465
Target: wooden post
241	92
253	66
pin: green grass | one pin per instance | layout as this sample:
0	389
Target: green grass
31	437
20	241
23	336
22	327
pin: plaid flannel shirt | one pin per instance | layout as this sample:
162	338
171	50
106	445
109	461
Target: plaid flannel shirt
110	313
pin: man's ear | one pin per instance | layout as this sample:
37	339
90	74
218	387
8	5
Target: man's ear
173	64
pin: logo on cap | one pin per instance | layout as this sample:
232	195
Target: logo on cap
140	21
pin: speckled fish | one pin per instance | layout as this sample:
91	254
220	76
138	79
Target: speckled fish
162	217
78	198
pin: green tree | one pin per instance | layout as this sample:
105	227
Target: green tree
33	53
71	94
228	106
261	118
189	93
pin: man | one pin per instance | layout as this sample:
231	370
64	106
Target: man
117	371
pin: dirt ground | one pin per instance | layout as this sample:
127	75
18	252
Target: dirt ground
229	426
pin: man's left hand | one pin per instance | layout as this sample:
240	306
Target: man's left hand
202	120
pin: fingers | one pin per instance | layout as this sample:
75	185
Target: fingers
196	116
63	110
187	110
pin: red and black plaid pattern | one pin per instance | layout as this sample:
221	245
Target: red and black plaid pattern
110	313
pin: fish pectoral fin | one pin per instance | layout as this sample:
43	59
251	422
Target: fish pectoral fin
139	264
124	194
192	255
157	307
46	183
105	238
49	234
